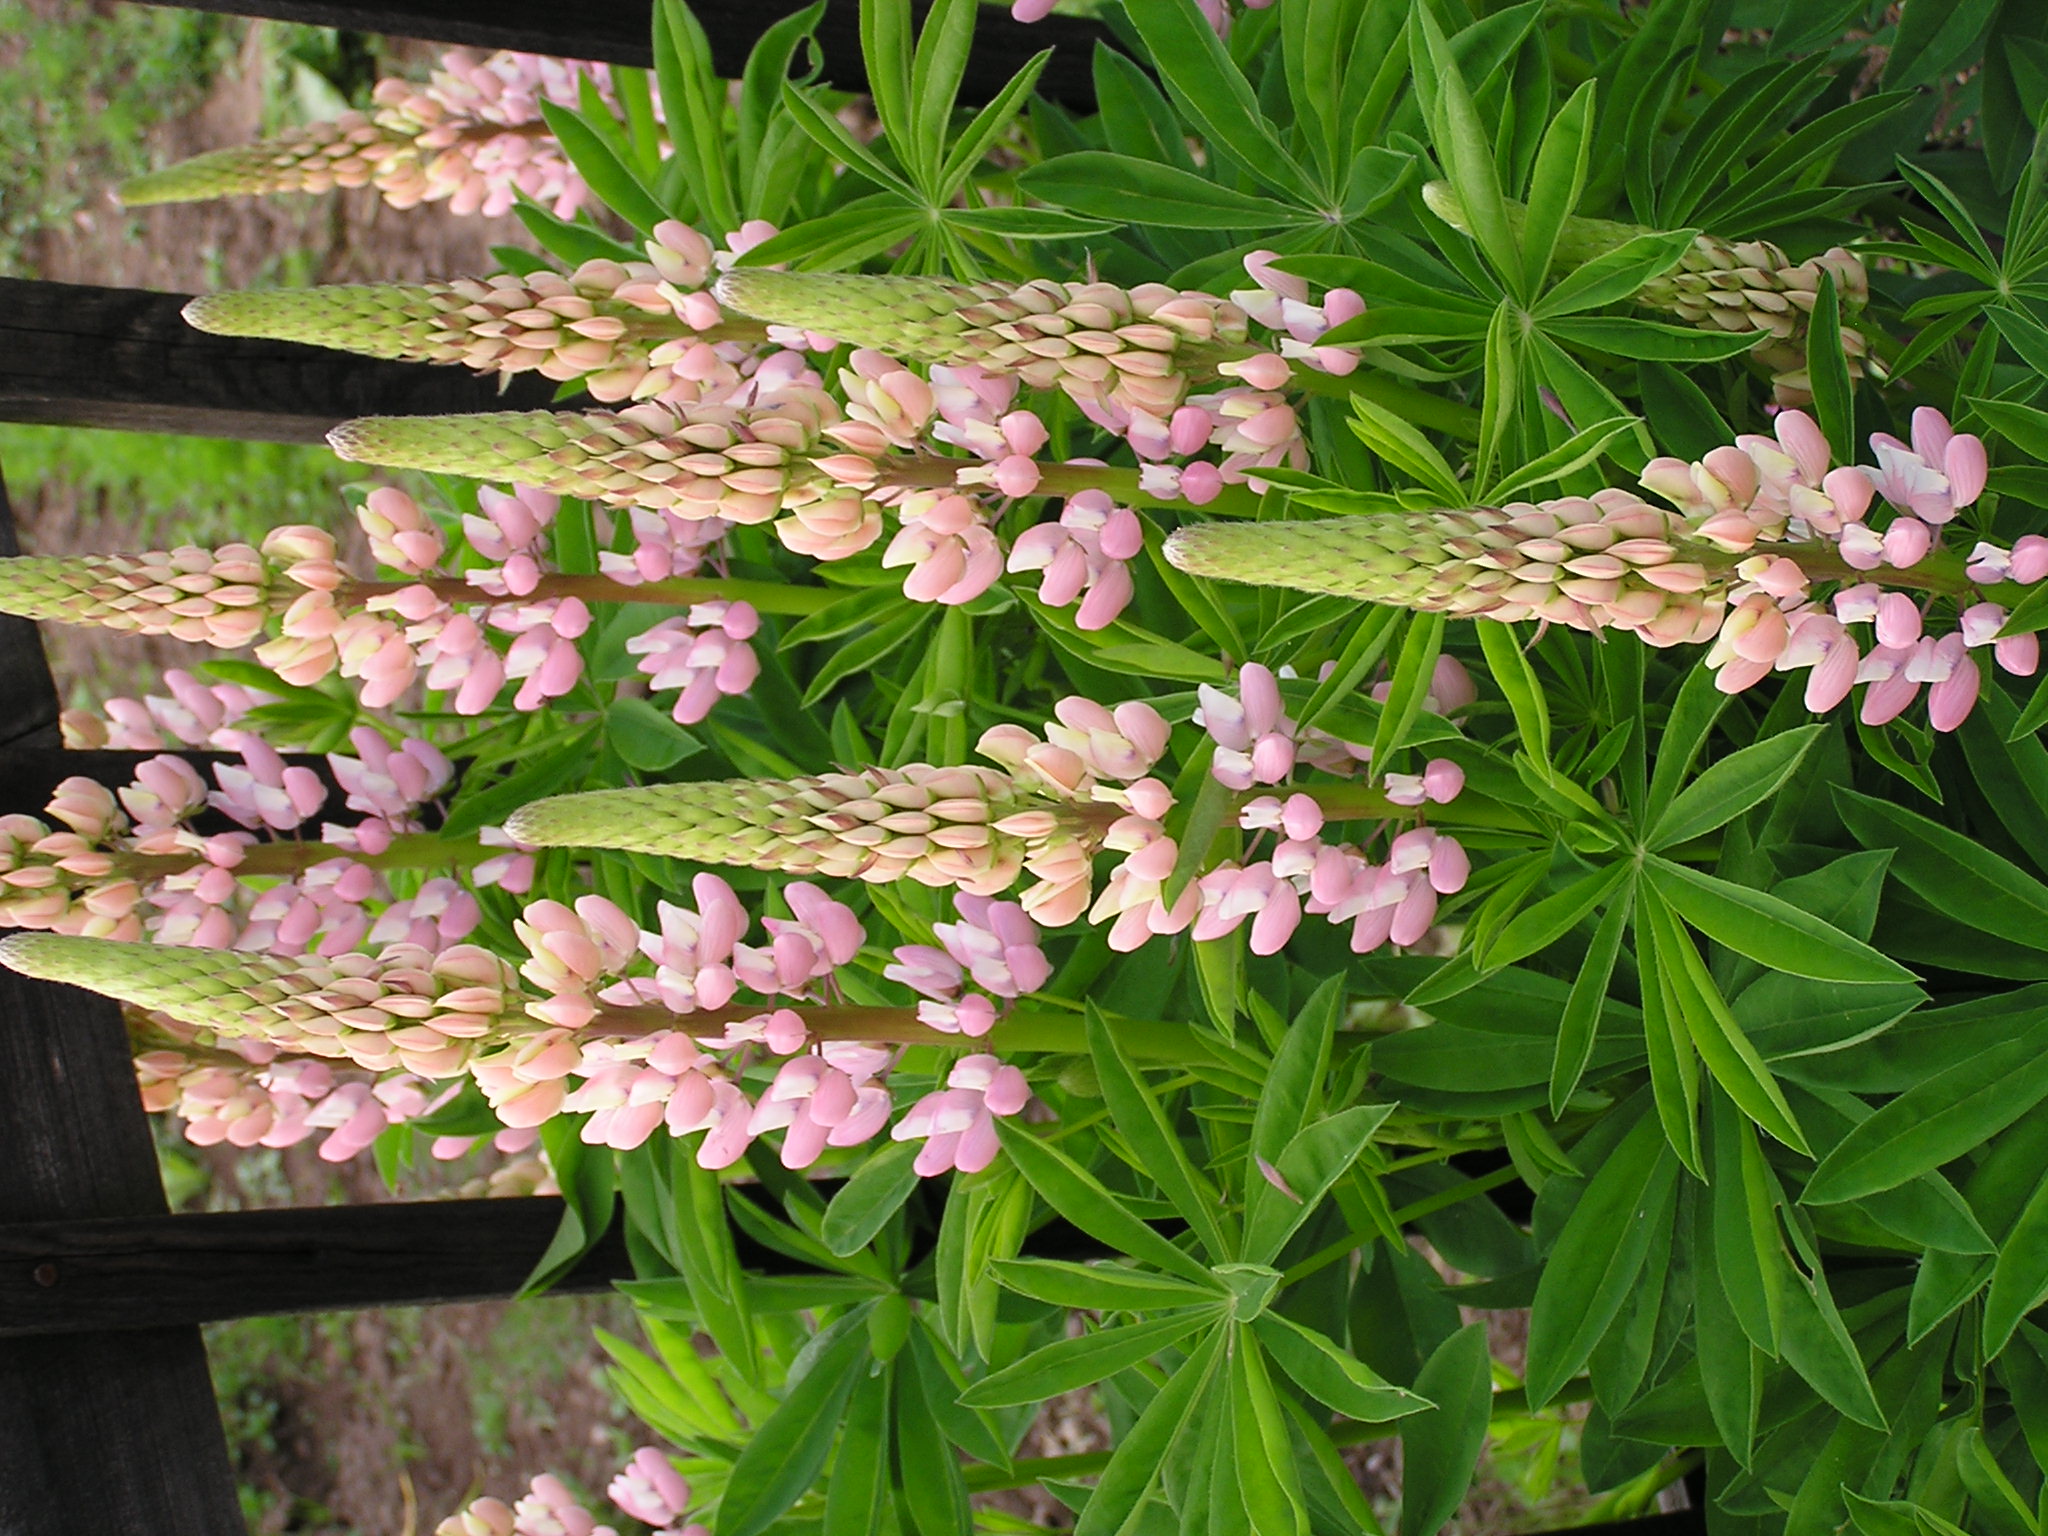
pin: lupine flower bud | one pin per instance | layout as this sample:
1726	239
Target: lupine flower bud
218	597
600	324
407	1007
473	136
938	826
1611	560
733	462
1138	348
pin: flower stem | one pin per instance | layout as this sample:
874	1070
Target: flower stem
416	850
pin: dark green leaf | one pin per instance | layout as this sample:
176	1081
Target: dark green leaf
1440	1447
788	1451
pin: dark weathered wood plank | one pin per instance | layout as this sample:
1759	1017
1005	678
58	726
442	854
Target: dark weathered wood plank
619	31
151	1271
97	1432
124	358
28	694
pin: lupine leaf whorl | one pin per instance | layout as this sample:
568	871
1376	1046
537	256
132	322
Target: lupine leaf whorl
213	988
1718	284
918	317
389	320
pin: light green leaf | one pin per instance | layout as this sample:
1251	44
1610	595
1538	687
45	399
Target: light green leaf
1155	1145
1332	1376
1734	784
1617	274
1080	1197
1100	1287
1938	1120
1556	183
1134	191
1067	1365
1214	95
1598	1255
787	1452
1768	930
1133	1472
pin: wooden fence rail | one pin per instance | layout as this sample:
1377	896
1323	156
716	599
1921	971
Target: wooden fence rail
617	32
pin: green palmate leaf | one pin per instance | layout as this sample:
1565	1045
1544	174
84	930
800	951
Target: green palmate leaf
1566	459
1499	395
933	1490
610	178
1293	1091
1440	1447
1134	1471
1623	336
1817	1343
1674	1065
1935	1121
1100	1287
1578	1026
1617	274
693	108
1414	669
1594	1266
866	1201
1717	1037
982	133
1400	444
1768	930
833	136
1556	183
935	73
1314	1160
2024	426
1516	679
1155	1145
1069	1364
1025	223
1827	365
1332	1376
1731	1374
1080	1197
646	737
886	34
1731	786
861	229
1135	191
1463	146
858	1490
1267	1483
785	1455
1213	94
2019	1279
1539	926
1955	874
1740	1225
